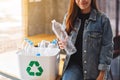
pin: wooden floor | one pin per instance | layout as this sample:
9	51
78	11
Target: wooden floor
4	78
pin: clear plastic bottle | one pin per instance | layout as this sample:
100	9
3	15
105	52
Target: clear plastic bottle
61	34
29	47
23	44
43	44
54	42
48	51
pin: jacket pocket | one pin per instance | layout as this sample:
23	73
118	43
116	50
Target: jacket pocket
94	41
95	34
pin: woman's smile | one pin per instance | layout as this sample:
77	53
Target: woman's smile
84	3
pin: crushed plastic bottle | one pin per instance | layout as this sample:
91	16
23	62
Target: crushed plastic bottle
30	44
43	44
23	43
61	34
27	45
54	43
44	48
49	49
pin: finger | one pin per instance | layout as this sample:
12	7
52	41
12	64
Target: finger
61	47
65	40
59	39
60	43
65	43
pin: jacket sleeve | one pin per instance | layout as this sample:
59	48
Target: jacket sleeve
107	46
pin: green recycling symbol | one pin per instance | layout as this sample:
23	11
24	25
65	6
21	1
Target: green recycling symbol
36	63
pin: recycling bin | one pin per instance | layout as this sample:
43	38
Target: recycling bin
34	66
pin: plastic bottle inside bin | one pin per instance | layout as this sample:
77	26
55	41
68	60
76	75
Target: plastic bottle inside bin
30	44
43	44
24	43
30	47
54	43
49	50
61	34
27	45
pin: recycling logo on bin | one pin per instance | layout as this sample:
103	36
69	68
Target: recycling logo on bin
31	73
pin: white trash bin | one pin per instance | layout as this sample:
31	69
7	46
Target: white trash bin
35	66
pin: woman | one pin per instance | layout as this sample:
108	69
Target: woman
90	31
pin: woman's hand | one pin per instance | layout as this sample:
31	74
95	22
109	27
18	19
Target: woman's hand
101	75
62	43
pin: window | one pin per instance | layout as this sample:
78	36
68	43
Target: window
109	8
11	31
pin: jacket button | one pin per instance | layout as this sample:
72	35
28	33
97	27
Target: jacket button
85	51
85	72
85	61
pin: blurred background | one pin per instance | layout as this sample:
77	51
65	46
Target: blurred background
26	18
19	18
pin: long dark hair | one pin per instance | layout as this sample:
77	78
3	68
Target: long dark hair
72	13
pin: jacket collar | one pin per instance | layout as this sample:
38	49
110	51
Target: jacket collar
93	15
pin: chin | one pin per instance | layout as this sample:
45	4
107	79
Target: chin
83	7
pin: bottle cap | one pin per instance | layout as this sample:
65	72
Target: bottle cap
54	41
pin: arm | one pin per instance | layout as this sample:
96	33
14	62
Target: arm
106	49
101	75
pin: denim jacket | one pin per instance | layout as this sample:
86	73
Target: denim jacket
97	45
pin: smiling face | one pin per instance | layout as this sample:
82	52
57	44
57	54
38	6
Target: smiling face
84	5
